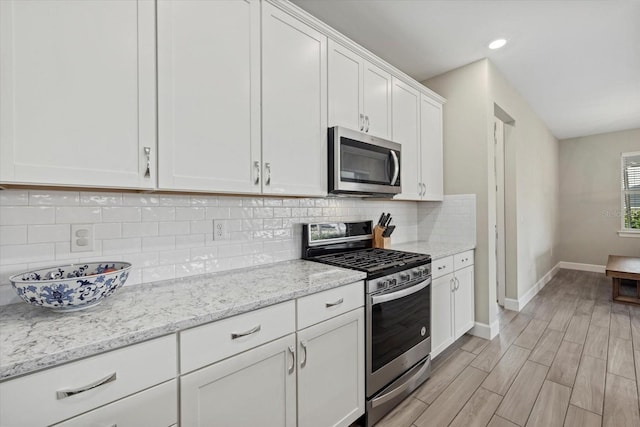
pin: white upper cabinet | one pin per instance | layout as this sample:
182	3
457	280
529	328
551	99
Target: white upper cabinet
78	93
209	95
406	131
359	93
431	159
294	106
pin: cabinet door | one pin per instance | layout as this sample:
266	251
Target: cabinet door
441	314
345	88
294	106
157	406
377	101
464	304
431	148
331	371
254	388
209	95
78	92
406	131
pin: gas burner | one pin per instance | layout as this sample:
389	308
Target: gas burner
373	260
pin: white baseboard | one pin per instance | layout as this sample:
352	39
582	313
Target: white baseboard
518	304
583	267
485	331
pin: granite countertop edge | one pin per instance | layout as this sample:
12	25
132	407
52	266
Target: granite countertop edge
22	362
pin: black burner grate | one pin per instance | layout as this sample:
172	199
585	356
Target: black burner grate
372	260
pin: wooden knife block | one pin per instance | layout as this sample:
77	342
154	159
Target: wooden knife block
379	241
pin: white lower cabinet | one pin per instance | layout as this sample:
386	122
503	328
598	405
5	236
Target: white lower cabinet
154	407
452	300
254	388
331	371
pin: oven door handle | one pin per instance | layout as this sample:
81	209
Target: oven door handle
396	167
384	398
378	299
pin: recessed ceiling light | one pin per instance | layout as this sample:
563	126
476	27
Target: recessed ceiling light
497	44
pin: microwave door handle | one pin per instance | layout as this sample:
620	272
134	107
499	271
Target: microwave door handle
396	167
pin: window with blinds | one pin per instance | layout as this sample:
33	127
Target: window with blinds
631	191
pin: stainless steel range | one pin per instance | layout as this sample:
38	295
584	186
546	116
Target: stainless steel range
398	308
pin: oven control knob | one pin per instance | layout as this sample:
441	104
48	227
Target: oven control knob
404	277
423	331
383	285
417	273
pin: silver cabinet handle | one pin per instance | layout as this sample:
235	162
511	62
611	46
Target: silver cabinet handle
361	122
236	335
256	166
457	284
442	267
267	166
331	304
396	167
61	394
366	119
452	285
293	359
303	346
147	152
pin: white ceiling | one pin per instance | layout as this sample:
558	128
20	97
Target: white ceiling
577	63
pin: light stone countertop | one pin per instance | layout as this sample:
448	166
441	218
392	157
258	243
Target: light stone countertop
437	250
33	338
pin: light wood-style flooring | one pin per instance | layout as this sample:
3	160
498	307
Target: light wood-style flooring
571	357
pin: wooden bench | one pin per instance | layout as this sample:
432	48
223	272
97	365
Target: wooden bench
624	267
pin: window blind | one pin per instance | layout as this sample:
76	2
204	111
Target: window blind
631	191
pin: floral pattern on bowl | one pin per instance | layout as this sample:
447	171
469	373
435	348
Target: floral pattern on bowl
71	287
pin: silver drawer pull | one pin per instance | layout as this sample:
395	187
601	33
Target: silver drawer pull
66	393
331	304
235	335
147	152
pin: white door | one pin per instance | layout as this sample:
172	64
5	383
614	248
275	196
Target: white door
501	276
441	313
463	301
406	131
294	106
157	406
254	388
209	95
431	155
377	101
345	87
78	92
331	371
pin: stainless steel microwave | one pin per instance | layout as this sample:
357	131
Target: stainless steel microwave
363	165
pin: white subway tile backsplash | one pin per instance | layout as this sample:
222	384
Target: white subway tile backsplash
21	215
194	213
158	213
100	199
20	254
14	197
139	229
76	214
173	228
49	233
57	198
168	236
13	235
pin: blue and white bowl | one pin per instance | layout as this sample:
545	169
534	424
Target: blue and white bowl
71	287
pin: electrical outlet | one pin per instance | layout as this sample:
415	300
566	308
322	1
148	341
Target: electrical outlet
81	237
220	230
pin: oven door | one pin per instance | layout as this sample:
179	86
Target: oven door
360	163
398	333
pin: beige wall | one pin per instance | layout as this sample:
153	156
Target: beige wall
590	200
531	171
532	162
465	120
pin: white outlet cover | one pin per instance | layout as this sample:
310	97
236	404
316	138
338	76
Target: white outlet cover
82	237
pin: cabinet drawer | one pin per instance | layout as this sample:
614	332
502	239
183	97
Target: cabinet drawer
318	307
463	259
157	406
441	266
210	343
104	378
